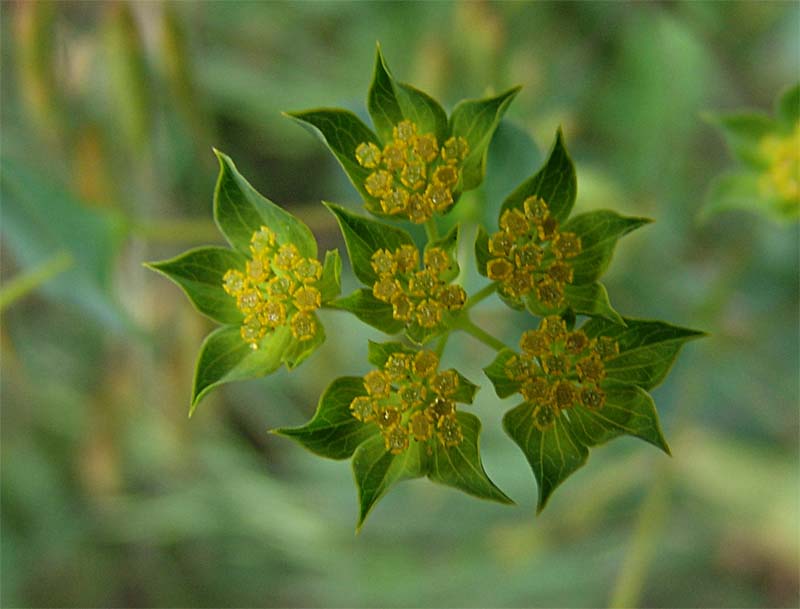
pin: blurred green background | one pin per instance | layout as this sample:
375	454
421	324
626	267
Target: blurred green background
112	497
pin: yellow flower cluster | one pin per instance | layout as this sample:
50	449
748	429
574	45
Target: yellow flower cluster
559	369
412	176
530	253
416	295
782	176
277	287
409	400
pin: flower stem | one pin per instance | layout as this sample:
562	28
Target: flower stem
481	294
431	230
465	323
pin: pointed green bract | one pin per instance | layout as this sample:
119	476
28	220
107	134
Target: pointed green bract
553	454
496	371
333	432
449	243
390	102
744	133
378	353
199	273
461	467
330	285
555	183
476	120
370	310
591	299
363	237
481	248
599	232
240	211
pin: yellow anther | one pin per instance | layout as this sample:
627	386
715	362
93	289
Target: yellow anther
554	328
413	394
420	209
500	244
257	270
445	176
386	288
273	314
528	256
402	308
549	293
396	202
368	155
555	365
440	407
535	343
536	209
543	417
307	298
606	347
425	363
262	241
499	269
566	245
426	147
394	156
379	183
591	369
440	197
398	366
421	427
437	260
249	301
280	288
383	263
455	150
404	131
423	283
593	397
429	313
560	272
564	394
252	330
536	390
286	257
518	368
396	440
362	408
547	228
449	431
514	223
233	282
308	270
577	342
413	175
303	325
377	383
445	383
452	297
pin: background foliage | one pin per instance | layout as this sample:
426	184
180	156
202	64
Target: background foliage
110	496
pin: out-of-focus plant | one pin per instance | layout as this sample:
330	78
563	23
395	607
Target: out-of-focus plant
580	387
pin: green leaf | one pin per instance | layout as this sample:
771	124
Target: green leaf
330	284
744	132
449	243
379	353
591	299
370	310
461	467
553	454
225	357
421	336
298	351
342	132
628	410
555	183
482	255
240	210
199	273
476	120
363	237
599	232
376	470
390	102
734	190
466	390
647	349
496	371
789	106
333	432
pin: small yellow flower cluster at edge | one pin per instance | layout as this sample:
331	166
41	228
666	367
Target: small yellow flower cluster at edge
559	369
409	400
412	176
782	175
530	253
277	287
416	295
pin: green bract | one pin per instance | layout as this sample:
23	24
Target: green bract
403	419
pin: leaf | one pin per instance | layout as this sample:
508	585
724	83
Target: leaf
342	132
378	353
647	349
555	182
376	470
330	284
299	351
789	106
370	310
199	273
461	467
363	237
599	232
628	410
743	132
240	211
733	190
591	299
553	454
482	255
421	336
390	102
466	390
476	120
449	244
496	371
333	432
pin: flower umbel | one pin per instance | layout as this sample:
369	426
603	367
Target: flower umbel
782	175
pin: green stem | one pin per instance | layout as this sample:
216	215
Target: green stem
29	280
481	294
465	323
431	230
442	343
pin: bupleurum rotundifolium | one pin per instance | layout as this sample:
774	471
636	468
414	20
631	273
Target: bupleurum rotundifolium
530	253
413	177
279	286
410	400
416	295
781	177
558	369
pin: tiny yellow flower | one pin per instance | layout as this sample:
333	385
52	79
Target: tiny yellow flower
445	383
368	155
362	408
274	314
286	257
396	202
307	298
425	363
455	150
396	440
566	245
592	397
499	269
449	431
303	325
233	282
377	383
379	183
308	270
